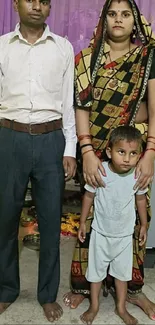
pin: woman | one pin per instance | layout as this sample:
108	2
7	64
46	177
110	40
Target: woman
115	82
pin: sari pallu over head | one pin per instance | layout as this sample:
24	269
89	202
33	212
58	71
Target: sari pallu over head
113	96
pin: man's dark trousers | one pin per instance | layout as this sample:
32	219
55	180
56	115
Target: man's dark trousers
40	158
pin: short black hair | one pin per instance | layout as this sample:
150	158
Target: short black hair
124	132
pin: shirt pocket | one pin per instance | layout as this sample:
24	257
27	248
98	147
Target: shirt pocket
50	73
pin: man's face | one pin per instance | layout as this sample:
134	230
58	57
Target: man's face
32	12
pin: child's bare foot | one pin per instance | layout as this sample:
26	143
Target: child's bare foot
127	318
89	315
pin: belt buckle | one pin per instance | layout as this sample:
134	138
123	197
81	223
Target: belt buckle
30	130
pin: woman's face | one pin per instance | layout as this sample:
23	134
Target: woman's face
120	21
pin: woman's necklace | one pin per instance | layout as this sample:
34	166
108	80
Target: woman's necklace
115	82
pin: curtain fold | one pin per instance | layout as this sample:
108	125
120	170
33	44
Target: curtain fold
74	19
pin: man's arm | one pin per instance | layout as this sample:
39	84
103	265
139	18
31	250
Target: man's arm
68	117
68	110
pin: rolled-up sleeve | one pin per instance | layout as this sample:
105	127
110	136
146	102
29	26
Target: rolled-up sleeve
69	128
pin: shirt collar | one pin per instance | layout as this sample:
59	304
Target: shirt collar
47	33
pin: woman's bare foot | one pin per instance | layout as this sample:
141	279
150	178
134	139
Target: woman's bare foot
144	303
52	311
125	316
89	315
73	300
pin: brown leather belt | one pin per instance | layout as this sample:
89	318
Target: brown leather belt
32	129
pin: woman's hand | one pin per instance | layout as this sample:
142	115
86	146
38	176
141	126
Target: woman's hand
144	171
91	167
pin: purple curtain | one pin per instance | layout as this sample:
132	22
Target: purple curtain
74	19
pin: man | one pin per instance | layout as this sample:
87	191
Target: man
37	141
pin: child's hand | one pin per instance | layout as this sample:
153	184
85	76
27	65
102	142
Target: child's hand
142	235
82	233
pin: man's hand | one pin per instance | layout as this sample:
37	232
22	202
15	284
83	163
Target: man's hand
69	164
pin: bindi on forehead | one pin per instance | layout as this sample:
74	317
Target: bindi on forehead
121	6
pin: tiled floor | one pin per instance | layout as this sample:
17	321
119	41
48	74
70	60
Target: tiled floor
26	309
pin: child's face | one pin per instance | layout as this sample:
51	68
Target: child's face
124	155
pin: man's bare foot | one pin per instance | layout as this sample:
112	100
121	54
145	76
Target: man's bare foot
89	315
126	317
4	306
144	303
52	311
73	300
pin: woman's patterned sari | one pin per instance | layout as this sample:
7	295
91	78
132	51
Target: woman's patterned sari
112	94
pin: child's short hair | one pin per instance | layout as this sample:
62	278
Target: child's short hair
124	132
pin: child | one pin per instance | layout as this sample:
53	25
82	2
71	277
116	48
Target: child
114	221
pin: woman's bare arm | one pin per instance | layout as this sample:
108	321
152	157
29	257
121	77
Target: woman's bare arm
91	163
145	166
